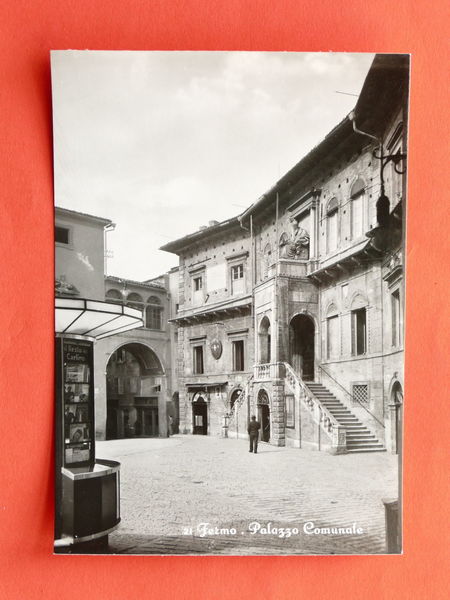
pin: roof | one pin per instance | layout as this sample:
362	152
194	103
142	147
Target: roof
67	212
383	89
145	284
341	131
177	245
381	92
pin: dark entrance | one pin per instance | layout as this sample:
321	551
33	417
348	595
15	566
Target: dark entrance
264	419
301	346
200	416
147	420
132	370
397	398
264	415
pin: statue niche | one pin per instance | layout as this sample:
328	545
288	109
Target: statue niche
295	246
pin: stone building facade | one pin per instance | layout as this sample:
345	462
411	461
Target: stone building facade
134	379
307	285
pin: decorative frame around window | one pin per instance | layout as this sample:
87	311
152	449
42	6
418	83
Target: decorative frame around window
198	359
396	318
238	355
359	331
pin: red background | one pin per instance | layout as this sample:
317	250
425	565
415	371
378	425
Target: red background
29	30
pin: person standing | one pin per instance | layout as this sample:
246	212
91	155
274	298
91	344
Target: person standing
253	430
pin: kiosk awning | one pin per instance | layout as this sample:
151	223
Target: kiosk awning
93	318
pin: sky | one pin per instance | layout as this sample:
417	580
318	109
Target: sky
163	142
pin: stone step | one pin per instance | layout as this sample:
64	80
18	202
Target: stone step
355	450
358	437
367	444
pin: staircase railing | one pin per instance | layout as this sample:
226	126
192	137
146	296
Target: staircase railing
321	415
239	401
351	396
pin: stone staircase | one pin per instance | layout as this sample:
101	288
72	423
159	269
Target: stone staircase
359	437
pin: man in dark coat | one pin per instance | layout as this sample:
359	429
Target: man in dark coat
253	430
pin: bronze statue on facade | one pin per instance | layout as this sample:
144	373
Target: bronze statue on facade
297	245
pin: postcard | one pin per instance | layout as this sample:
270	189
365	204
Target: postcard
229	302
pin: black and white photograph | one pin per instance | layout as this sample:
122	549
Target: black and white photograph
229	302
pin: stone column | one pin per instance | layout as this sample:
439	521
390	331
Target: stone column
278	432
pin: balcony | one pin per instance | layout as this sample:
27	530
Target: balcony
268	371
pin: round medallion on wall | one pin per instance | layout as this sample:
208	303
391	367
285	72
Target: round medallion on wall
216	348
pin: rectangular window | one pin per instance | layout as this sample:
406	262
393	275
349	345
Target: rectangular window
238	355
198	360
395	313
360	393
62	235
290	411
332	231
237	279
359	332
357	214
198	284
333	344
237	272
153	320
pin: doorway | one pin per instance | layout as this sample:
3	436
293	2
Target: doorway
147	421
200	417
264	415
397	401
301	346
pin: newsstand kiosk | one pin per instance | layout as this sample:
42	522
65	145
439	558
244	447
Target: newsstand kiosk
87	489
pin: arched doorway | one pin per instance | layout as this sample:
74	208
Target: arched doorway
301	346
264	341
397	416
264	415
133	383
199	415
235	395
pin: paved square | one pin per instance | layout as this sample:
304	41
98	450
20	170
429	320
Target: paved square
169	487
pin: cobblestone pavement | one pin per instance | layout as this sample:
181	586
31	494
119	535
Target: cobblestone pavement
171	485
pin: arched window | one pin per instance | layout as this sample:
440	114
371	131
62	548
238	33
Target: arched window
358	209
153	313
135	300
264	341
114	296
332	225
266	261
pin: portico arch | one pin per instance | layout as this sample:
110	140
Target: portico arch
301	345
133	389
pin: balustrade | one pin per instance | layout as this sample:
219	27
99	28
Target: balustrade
321	415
